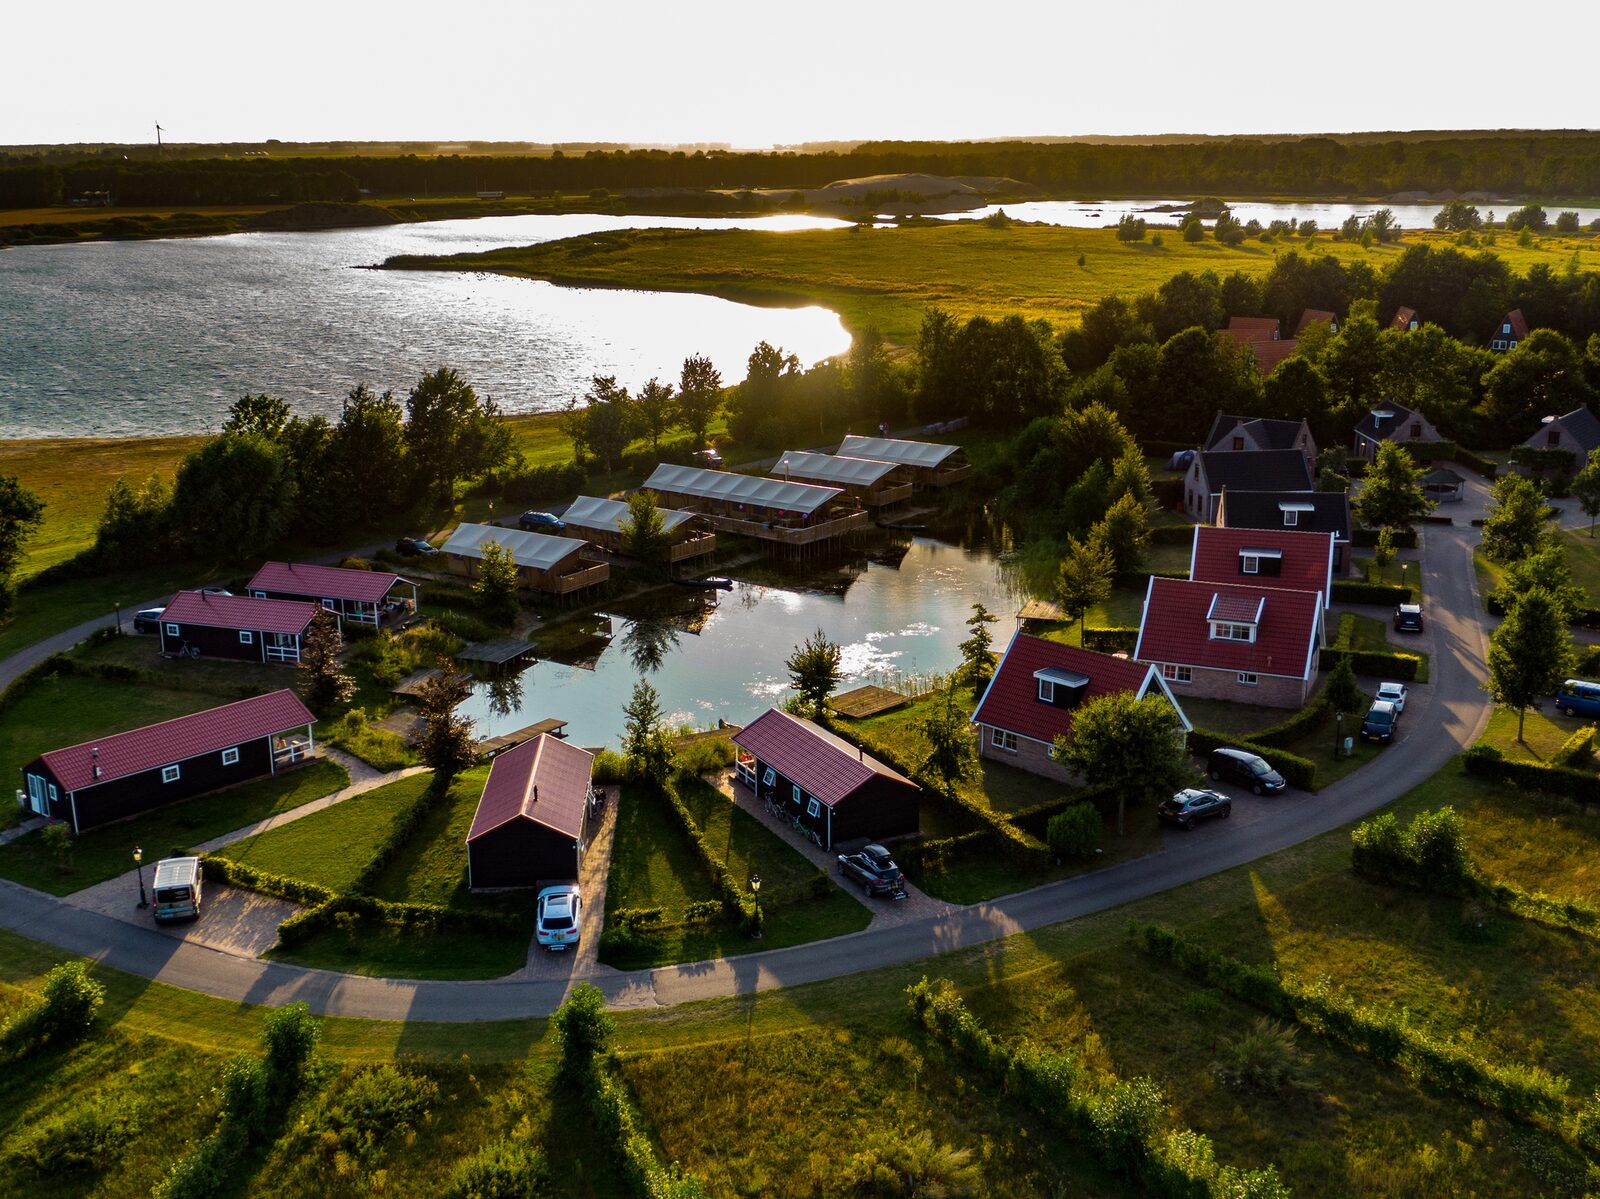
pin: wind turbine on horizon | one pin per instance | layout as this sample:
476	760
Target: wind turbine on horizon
158	139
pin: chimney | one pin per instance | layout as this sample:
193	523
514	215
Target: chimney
536	793
94	756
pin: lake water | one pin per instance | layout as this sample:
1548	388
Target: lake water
1094	214
141	338
898	608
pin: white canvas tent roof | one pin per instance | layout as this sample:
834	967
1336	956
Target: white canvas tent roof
924	454
847	472
536	551
590	512
730	488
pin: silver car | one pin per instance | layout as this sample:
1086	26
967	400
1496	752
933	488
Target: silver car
1394	693
560	916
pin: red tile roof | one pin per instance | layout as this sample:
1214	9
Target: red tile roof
1306	564
324	582
1314	316
240	612
1175	629
824	765
1403	317
1518	323
1270	353
545	780
171	741
1247	609
1253	326
1012	699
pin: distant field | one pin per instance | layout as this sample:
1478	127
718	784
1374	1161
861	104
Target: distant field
68	215
887	277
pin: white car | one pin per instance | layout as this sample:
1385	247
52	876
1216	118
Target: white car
1394	693
560	915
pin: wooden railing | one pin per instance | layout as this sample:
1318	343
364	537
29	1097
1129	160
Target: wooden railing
577	580
945	476
884	496
802	535
704	543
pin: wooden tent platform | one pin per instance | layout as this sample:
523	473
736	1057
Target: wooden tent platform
497	653
498	745
867	701
409	685
1037	609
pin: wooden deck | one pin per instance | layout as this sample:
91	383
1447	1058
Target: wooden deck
410	685
1037	609
491	746
867	701
496	653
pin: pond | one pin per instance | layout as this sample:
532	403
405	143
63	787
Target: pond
895	605
1095	214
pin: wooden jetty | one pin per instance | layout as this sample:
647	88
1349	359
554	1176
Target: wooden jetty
496	653
411	684
1038	609
867	701
498	745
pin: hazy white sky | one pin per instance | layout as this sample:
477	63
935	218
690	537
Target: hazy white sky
755	74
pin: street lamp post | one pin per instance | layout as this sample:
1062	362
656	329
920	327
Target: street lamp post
1405	567
755	890
138	866
1338	745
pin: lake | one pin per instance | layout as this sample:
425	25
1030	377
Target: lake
141	338
896	608
1094	214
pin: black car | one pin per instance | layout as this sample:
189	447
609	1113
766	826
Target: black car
414	547
1380	721
1242	766
708	459
536	522
148	620
1193	804
875	870
1408	618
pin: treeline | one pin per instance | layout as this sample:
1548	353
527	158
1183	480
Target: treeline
1551	165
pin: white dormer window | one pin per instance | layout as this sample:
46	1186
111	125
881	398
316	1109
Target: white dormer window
1226	630
1291	518
1506	328
1047	691
1250	564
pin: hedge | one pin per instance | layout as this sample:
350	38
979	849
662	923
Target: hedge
1111	639
408	917
935	856
1402	667
1364	538
1585	618
737	900
1486	762
1477	462
1576	747
1297	771
619	1123
1356	591
402	831
237	874
1296	727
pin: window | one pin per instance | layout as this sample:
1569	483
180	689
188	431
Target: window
1177	674
814	809
1416	430
246	637
1506	328
1247	679
1047	691
769	777
1238	443
1290	519
54	794
172	631
328	604
259	594
797	793
1004	739
1554	437
170	774
1222	630
230	756
1249	564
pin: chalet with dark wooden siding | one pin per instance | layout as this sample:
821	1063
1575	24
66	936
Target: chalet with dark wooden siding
531	826
1512	329
369	597
235	626
114	777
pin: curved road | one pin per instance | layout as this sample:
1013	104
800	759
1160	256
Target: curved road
1452	718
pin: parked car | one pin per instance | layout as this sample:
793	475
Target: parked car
213	591
176	889
1192	805
1394	693
1408	618
875	870
148	620
414	547
541	522
1242	766
709	459
1379	722
560	915
1579	697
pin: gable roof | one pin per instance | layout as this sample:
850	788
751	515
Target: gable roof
1011	700
1268	434
1403	317
240	612
730	488
325	582
1175	628
838	469
1305	557
825	765
173	741
1316	511
545	780
1314	316
610	516
1581	425
1370	427
536	551
1270	354
1518	323
1244	328
926	454
1272	470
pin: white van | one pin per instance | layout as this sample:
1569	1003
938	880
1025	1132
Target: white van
177	889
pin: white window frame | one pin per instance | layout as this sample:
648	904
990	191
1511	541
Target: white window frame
1250	564
174	631
1172	672
1227	630
1291	518
230	757
1248	679
55	795
171	774
1004	739
259	594
769	777
246	637
1047	691
329	605
797	792
814	808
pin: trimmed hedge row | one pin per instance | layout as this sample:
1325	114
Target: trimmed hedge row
1577	747
1402	667
236	874
937	855
1297	771
1525	1093
407	917
1120	1120
1486	762
402	831
620	1124
736	899
1296	727
1111	639
1585	618
1362	537
1357	591
1477	462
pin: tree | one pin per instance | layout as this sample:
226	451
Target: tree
1457	215
1391	493
366	458
1344	694
645	743
1124	532
1529	216
1567	222
867	373
21	514
323	678
582	1027
1085	577
446	742
496	587
1543	376
1227	230
1134	746
451	434
814	670
699	396
1383	551
655	410
234	496
951	755
1515	521
1586	488
1131	228
977	663
602	427
644	532
1545	566
263	414
1192	228
1529	654
1383	225
135	527
759	399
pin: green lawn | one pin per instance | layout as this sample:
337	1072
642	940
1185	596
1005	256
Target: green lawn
1399	571
653	864
432	867
1583	559
1543	732
106	852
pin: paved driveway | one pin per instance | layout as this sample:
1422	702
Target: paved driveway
583	962
232	920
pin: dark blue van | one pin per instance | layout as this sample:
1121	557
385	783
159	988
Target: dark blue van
1579	697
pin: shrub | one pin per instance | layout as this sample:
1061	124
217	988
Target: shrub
290	1034
88	1136
703	755
1352	591
1124	1116
582	1026
1577	748
380	1103
609	768
1076	832
541	483
1484	761
65	1012
1430	852
1264	1057
507	1169
246	1090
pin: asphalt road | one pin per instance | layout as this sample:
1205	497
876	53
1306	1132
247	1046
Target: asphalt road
1454	714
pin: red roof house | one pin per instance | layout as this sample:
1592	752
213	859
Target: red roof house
835	789
1249	644
198	624
1036	690
1261	336
123	774
362	596
1286	558
1316	316
1513	327
1405	320
530	825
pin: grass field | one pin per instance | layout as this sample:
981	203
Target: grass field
888	277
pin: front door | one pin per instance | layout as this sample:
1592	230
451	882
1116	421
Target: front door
38	797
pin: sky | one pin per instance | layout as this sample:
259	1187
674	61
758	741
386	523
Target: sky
755	74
